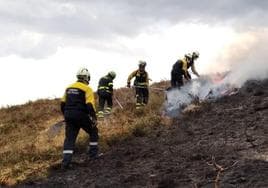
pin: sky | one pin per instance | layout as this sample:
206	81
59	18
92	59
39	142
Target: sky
45	42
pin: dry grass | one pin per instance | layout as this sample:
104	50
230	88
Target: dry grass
28	149
21	155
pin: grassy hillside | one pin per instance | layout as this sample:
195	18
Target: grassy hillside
218	143
29	148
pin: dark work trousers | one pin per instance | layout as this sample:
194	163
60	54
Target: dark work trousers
105	97
72	128
142	96
176	79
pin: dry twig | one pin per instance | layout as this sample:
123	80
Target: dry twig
219	169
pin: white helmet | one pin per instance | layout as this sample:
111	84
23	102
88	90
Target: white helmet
83	74
112	74
188	56
195	54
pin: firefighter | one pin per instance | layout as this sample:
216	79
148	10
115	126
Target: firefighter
105	93
180	69
141	84
78	108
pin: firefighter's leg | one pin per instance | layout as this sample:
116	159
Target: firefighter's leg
173	80
109	100
138	98
101	106
71	132
86	125
93	144
180	79
145	96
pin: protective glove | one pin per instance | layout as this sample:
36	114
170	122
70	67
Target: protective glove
128	84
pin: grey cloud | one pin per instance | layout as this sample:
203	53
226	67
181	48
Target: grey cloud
28	45
102	20
103	17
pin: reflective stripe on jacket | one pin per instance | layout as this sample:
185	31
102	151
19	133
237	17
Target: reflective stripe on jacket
106	84
141	78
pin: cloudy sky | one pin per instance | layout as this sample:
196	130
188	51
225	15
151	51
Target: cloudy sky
44	42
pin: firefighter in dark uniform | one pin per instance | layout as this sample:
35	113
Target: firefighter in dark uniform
180	69
105	93
141	84
78	107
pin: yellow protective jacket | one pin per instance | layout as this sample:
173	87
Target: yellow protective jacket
184	65
181	67
77	100
141	78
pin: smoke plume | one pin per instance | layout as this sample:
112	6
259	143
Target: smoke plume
245	59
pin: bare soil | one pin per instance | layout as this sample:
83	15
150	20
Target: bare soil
222	143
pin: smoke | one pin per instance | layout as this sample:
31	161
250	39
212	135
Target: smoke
246	59
204	88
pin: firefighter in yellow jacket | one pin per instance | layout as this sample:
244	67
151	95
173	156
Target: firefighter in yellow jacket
141	84
78	107
180	69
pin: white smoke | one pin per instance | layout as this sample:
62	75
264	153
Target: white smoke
201	89
246	59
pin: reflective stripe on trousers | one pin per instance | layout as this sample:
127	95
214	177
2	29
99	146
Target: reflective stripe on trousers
93	143
68	151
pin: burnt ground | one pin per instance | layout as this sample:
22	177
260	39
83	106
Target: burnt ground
221	144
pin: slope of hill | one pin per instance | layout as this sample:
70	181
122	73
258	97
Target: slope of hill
218	143
30	144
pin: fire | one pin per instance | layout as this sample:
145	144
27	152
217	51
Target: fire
209	87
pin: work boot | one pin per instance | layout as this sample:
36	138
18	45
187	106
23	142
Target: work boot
100	114
67	158
138	106
98	156
66	165
93	151
107	111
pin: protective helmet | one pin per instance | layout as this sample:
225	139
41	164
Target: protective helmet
142	63
112	74
195	54
188	56
83	74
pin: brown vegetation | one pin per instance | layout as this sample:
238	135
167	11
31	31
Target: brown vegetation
221	143
29	147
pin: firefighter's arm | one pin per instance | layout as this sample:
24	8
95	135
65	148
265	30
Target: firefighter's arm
147	79
92	114
91	110
194	70
62	103
132	75
90	101
185	71
186	75
110	85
